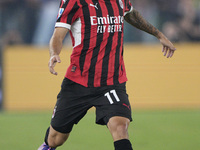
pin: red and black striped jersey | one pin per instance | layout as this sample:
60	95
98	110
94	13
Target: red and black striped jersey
96	29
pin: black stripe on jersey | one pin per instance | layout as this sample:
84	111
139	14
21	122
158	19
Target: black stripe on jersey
122	57
117	54
72	13
129	6
125	1
86	41
105	64
96	50
63	6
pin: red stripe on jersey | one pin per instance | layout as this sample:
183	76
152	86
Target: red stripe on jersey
122	70
61	3
98	70
122	73
121	61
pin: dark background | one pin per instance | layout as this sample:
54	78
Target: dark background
32	21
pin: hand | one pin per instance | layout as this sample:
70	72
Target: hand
168	47
52	62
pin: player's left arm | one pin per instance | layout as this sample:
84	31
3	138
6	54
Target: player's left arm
136	20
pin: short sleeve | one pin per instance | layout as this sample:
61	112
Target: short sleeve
68	13
128	7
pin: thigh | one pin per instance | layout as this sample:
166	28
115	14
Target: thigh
72	104
113	101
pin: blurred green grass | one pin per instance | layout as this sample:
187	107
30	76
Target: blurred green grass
150	130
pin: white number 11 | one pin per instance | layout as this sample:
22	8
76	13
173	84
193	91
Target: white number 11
109	97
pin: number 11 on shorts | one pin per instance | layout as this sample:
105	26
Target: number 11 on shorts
109	97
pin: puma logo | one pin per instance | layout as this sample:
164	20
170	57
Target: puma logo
94	5
126	106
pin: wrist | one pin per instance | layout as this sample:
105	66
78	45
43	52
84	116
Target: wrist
53	54
159	35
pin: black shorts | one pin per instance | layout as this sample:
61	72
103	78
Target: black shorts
74	100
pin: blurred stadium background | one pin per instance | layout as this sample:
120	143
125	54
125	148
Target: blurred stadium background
164	93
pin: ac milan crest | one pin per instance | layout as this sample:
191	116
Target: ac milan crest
121	4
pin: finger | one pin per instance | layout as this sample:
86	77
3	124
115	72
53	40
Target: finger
51	69
58	59
52	61
172	53
169	53
55	73
165	51
52	64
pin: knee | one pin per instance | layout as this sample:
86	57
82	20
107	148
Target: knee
119	128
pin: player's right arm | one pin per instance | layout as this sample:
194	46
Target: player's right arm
55	47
